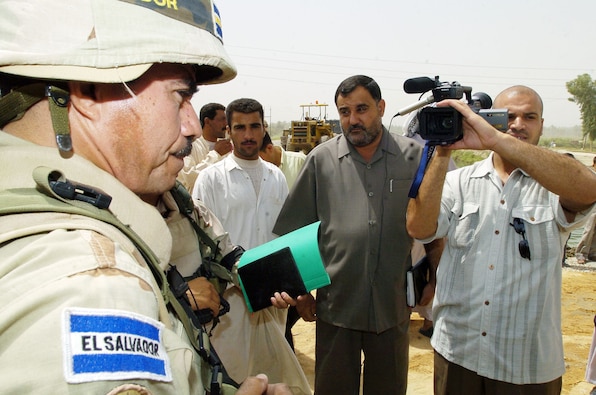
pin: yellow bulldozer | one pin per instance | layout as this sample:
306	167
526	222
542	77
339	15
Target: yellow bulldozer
311	130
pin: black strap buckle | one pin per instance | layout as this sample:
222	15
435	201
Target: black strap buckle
72	191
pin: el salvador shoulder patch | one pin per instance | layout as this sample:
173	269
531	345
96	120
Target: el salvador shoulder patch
100	344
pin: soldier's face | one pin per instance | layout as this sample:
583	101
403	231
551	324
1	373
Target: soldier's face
143	138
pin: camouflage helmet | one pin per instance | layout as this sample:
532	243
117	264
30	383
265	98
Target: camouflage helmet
111	40
100	41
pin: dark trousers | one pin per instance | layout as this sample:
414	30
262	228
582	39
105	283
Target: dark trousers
452	379
339	360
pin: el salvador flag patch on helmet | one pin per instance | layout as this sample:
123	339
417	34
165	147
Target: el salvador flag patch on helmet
217	22
112	345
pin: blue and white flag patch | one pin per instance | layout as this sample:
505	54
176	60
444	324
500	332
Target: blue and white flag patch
217	22
103	344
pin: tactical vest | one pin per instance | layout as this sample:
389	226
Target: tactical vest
56	194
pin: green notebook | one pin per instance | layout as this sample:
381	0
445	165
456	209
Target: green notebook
290	263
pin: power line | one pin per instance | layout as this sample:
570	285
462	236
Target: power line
352	58
390	74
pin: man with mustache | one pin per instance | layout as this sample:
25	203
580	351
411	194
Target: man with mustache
96	118
208	149
357	185
246	193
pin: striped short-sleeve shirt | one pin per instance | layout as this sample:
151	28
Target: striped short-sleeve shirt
496	312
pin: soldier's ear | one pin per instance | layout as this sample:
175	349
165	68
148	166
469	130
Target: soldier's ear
83	98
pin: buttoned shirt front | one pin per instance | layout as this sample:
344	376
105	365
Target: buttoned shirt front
363	239
497	313
228	191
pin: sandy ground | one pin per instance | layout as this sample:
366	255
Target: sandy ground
578	306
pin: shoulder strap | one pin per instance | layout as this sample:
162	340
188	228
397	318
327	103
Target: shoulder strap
54	193
186	206
212	267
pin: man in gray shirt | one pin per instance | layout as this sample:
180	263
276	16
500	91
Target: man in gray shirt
357	185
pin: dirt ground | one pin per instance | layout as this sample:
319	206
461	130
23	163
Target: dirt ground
578	307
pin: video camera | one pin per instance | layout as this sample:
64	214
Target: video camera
443	126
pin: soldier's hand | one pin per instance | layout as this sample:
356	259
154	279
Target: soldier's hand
203	295
259	385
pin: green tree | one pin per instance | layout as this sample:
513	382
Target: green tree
583	90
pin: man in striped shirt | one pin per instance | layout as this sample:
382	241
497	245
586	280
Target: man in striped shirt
497	305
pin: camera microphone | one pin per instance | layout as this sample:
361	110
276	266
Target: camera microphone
415	106
419	85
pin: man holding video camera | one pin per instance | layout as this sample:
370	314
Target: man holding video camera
497	306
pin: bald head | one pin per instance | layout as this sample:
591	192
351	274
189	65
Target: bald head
520	91
524	107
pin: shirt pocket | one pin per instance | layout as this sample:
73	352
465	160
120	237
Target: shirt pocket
534	215
541	231
464	226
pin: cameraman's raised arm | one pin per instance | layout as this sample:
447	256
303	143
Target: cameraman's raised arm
423	210
517	148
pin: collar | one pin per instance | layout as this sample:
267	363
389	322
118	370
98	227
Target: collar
230	164
486	166
344	147
20	157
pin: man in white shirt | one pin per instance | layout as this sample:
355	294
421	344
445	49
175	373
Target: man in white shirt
246	193
211	147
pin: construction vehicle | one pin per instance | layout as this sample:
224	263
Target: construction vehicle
311	130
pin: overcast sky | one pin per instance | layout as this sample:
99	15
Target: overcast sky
297	52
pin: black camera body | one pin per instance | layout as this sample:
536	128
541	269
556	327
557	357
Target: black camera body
440	126
443	125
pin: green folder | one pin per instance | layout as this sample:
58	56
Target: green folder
290	263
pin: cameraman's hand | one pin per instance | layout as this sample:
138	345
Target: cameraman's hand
203	295
478	134
259	385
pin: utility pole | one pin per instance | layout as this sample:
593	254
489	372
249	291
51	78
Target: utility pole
270	124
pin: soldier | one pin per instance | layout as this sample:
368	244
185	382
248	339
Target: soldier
96	120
